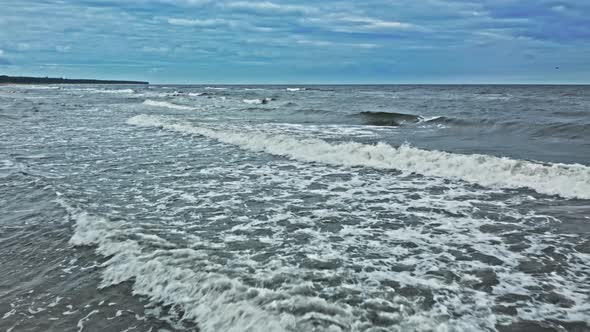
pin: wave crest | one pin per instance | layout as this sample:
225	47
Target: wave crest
166	104
217	302
569	181
257	101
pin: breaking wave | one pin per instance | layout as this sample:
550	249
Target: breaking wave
115	91
166	104
257	101
368	118
394	119
387	118
569	181
217	302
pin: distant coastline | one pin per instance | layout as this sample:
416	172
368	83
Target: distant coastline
51	80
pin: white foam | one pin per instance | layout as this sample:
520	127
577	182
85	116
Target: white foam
295	89
118	91
569	181
166	104
257	101
428	119
84	319
213	277
215	301
115	91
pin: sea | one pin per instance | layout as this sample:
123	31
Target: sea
295	208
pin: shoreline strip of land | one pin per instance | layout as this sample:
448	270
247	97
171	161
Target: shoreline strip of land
24	80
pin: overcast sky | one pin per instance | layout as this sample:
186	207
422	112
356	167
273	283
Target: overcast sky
370	41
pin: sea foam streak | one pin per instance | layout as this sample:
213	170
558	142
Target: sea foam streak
569	181
256	101
215	301
166	104
93	90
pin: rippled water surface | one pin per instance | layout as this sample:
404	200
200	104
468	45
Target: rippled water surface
275	208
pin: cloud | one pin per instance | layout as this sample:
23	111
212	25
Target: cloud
3	61
198	22
375	24
347	23
188	2
23	46
325	43
63	48
270	7
423	36
151	49
559	8
548	20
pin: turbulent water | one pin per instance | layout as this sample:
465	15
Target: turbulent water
290	208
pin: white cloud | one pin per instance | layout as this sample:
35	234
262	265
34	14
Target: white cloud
373	23
198	22
318	43
325	43
559	8
23	46
63	49
1	52
349	23
151	49
271	7
192	2
364	45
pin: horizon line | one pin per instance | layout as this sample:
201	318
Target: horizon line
361	84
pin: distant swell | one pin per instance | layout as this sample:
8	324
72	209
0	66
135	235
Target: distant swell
569	181
166	104
370	118
567	130
387	118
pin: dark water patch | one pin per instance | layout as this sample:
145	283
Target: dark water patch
7	117
487	279
260	109
564	130
527	326
315	111
549	325
386	118
46	285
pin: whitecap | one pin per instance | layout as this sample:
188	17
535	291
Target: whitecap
166	104
256	101
566	180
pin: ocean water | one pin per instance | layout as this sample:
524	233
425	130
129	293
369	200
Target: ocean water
295	208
